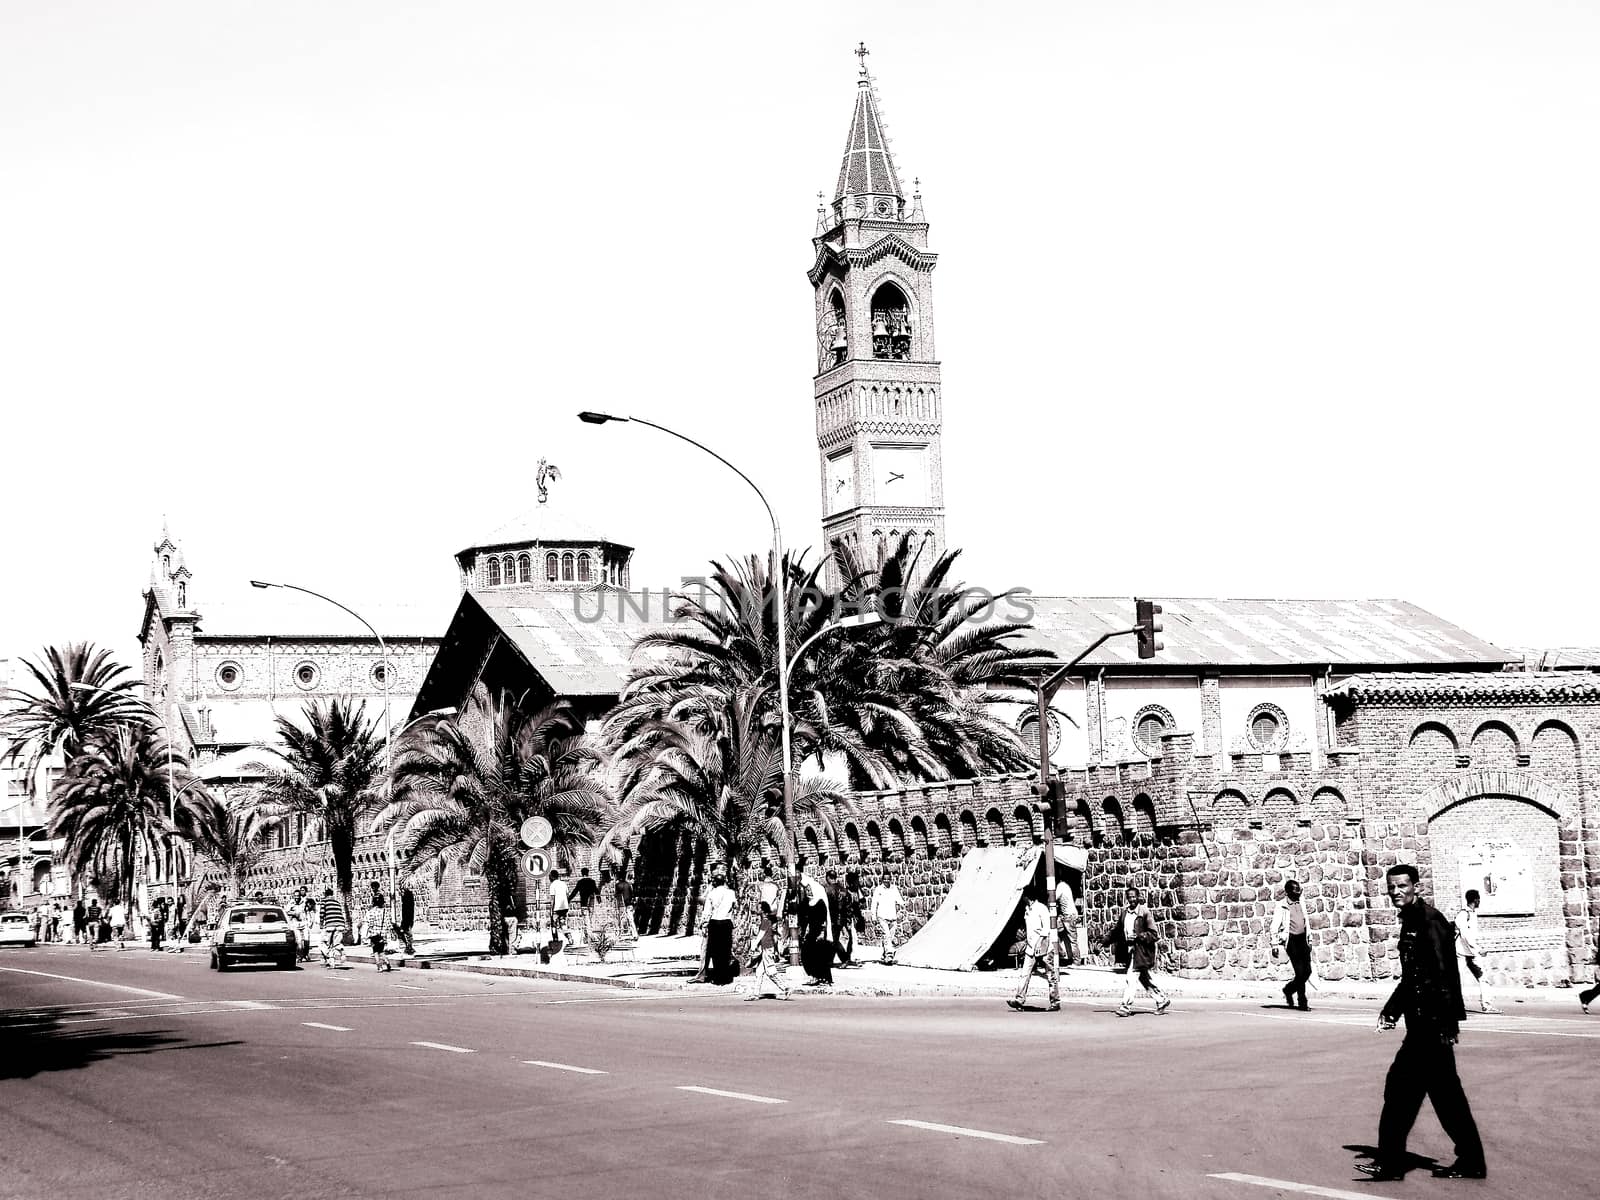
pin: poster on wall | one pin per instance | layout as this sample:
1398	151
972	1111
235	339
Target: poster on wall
1500	873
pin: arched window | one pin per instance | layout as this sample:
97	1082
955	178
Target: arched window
551	565
995	824
583	568
511	569
919	836
166	564
491	573
891	323
839	346
566	567
183	595
524	569
969	828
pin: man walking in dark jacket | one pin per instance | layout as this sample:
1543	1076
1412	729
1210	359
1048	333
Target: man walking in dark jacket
1429	998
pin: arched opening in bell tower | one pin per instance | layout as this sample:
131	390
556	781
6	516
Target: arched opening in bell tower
839	348
891	323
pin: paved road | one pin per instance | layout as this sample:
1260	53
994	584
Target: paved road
134	1074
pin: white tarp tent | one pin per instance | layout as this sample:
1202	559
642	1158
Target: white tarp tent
980	903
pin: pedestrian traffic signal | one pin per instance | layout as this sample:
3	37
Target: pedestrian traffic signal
1147	620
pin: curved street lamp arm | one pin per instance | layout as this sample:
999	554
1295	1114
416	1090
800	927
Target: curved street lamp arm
683	437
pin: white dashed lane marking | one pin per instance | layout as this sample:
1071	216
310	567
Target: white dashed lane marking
444	1046
554	1066
959	1131
705	1091
320	1025
1288	1185
411	987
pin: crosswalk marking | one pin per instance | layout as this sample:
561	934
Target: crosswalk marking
705	1091
959	1131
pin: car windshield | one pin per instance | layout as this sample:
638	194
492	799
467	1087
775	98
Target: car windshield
255	916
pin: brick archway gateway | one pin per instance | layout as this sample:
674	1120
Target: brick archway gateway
1537	823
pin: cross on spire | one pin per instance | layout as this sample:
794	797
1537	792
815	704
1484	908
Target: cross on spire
861	52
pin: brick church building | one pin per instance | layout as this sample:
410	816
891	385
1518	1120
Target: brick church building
1323	740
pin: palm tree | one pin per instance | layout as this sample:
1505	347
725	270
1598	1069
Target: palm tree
81	694
110	805
711	765
332	775
464	784
230	833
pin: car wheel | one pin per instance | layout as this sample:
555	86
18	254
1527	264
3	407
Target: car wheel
288	964
220	962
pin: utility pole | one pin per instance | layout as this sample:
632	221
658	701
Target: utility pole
1050	793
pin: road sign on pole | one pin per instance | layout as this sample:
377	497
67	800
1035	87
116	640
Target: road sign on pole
537	863
536	833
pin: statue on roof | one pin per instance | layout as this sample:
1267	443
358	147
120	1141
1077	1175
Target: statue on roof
546	472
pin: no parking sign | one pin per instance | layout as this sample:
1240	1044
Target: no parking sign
537	864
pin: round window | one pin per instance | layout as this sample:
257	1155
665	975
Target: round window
1028	729
382	675
1149	723
1269	728
229	676
305	676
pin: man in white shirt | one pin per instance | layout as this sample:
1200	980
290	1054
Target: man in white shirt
119	923
720	967
1040	943
560	903
885	905
1289	931
1467	947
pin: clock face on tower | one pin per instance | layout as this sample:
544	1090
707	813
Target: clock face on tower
841	483
900	476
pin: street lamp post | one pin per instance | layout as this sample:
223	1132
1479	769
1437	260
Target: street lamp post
388	673
780	602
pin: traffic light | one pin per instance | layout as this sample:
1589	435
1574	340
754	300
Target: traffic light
1147	619
1047	798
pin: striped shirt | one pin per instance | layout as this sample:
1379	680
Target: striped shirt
331	913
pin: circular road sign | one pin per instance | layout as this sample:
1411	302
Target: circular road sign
536	833
537	863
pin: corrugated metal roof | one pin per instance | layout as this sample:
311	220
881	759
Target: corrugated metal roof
1559	658
579	641
1253	633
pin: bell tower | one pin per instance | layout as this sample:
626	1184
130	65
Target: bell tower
879	414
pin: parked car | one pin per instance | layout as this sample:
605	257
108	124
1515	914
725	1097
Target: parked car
16	930
252	932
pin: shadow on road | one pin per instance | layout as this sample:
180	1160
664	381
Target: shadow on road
1414	1162
31	1049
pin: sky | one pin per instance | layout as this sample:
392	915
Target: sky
1279	299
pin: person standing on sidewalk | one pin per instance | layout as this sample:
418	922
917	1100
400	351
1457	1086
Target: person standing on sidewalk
1040	950
720	967
1467	947
886	905
119	923
1066	914
839	909
816	938
560	906
624	898
333	922
78	920
91	923
1134	935
1289	931
375	926
1428	996
408	918
766	949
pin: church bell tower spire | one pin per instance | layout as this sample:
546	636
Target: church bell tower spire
878	396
